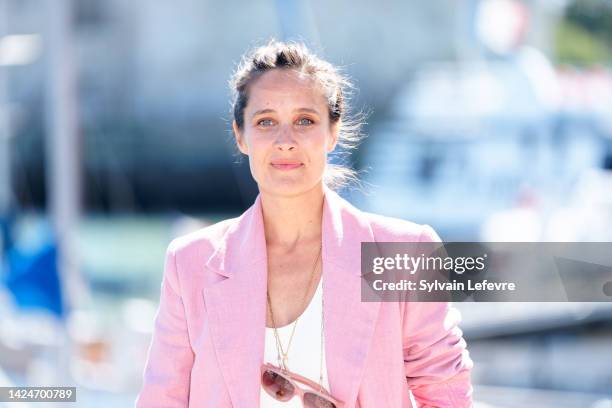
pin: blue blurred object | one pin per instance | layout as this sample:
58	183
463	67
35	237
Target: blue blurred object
32	276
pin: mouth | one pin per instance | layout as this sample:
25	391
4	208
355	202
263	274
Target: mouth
286	165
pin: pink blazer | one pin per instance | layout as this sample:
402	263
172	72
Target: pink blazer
208	341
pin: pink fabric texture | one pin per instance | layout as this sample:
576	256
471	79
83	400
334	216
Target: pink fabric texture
208	340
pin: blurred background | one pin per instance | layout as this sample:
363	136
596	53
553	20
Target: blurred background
490	120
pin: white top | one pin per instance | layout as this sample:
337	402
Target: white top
304	354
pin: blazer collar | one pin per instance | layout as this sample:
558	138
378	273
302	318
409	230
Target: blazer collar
247	235
236	306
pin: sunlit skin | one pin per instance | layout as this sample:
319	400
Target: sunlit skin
287	135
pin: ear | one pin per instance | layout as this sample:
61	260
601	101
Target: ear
335	134
242	146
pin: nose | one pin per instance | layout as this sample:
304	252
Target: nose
284	139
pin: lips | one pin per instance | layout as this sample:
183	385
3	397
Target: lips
286	164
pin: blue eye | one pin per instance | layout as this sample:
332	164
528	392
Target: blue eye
265	122
305	122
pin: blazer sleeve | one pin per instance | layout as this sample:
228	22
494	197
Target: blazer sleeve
167	373
436	361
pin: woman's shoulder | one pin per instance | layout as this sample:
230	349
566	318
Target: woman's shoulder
392	229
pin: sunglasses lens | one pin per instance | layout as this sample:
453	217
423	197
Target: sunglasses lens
316	401
277	386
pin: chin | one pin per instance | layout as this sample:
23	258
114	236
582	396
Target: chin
288	188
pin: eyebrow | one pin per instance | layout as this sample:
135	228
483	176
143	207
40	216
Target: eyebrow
264	111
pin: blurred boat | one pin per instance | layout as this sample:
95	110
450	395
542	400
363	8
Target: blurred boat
466	140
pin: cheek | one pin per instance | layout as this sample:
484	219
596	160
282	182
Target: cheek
253	143
317	157
259	149
319	147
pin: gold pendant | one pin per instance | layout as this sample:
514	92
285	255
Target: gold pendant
285	362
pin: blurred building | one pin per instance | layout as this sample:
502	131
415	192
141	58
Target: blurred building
153	98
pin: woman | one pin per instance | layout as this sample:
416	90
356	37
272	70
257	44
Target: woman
265	309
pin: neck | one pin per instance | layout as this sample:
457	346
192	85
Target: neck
291	220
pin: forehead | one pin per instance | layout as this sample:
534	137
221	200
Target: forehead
285	87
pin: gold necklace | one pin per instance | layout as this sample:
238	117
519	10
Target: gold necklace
279	347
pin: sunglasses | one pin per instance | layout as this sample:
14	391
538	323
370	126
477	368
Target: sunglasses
282	386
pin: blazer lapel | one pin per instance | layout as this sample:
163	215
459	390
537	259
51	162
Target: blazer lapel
348	323
236	305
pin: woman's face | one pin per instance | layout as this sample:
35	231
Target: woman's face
287	133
